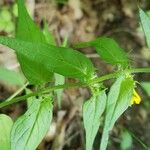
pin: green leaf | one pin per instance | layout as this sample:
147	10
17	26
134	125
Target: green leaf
11	77
145	22
29	130
146	87
28	31
126	140
118	101
92	111
5	129
108	50
64	61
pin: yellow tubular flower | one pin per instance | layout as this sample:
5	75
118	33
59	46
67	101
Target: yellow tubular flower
136	99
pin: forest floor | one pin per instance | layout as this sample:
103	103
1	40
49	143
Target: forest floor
84	20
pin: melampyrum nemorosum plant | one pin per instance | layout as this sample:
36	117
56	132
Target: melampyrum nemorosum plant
43	62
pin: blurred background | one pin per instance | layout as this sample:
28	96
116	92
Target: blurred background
83	20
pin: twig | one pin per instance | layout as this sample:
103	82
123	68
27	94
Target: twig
74	85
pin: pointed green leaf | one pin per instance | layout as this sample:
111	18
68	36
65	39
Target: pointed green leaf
92	111
145	21
64	61
5	129
108	50
118	101
29	130
27	30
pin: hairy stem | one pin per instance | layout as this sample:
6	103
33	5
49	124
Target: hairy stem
42	91
74	85
139	70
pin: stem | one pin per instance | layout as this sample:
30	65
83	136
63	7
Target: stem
74	85
103	78
46	90
139	70
17	92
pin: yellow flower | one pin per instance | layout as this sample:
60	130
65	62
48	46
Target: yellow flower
136	99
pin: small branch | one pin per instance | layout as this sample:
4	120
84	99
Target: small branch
74	85
44	91
17	92
139	70
103	78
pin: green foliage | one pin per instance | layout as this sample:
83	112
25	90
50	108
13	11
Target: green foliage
29	129
108	50
28	31
126	140
11	77
145	22
119	99
5	129
92	111
64	61
41	61
38	67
